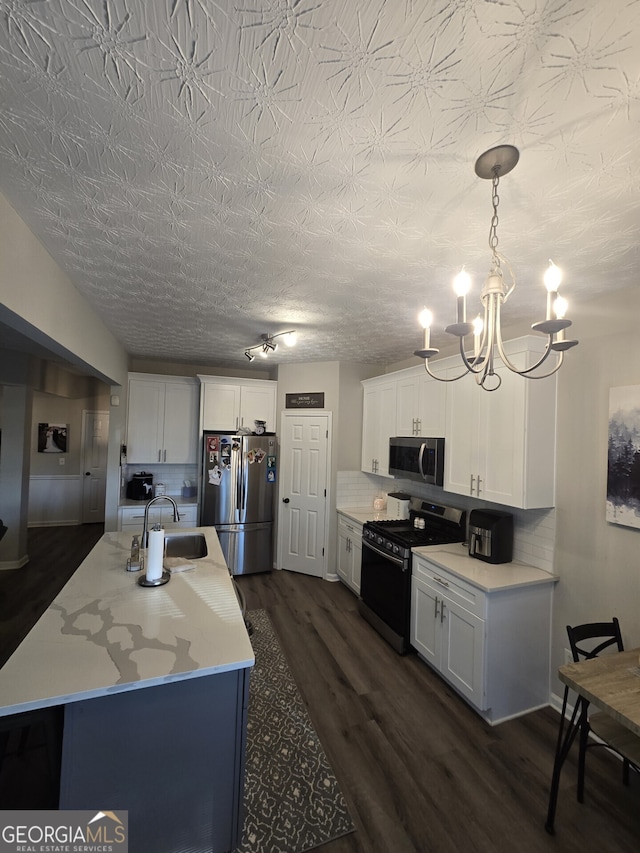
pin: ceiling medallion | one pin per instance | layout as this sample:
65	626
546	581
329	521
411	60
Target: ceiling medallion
268	344
499	285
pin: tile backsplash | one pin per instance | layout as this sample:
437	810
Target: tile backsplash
534	529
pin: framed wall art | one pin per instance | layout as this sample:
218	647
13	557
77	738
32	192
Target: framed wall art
623	468
52	438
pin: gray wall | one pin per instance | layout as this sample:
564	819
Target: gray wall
598	563
39	301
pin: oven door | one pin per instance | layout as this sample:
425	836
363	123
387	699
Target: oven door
385	592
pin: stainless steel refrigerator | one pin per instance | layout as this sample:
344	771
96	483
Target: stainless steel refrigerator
238	497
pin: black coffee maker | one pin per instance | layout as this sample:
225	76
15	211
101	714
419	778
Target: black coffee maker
491	535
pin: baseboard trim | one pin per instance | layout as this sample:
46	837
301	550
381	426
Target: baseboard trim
14	564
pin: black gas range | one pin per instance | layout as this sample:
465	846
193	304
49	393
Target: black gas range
385	582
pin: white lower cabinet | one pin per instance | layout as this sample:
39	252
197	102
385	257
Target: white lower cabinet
349	552
492	647
132	517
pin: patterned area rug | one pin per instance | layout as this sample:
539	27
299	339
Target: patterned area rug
292	799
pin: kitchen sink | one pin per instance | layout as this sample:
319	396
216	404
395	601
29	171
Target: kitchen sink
191	546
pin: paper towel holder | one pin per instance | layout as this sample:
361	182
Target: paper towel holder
163	579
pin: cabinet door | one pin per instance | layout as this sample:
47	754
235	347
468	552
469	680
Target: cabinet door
462	657
356	561
220	406
425	621
344	557
460	454
378	425
370	426
258	404
432	396
180	423
407	418
145	415
501	438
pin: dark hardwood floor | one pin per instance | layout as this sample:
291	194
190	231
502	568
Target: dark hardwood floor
419	769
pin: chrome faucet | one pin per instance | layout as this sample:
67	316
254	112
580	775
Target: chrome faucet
176	515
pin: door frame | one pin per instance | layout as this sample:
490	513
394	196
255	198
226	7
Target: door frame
308	413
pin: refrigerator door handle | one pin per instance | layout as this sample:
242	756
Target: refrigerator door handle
240	481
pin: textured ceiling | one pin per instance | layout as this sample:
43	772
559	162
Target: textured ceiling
208	171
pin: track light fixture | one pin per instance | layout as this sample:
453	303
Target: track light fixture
268	344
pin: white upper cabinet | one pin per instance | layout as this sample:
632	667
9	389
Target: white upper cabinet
378	424
229	405
162	419
420	404
500	445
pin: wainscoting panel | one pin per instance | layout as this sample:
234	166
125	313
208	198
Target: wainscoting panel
55	500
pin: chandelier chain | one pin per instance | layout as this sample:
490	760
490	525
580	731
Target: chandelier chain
493	230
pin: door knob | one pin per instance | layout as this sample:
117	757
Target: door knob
285	500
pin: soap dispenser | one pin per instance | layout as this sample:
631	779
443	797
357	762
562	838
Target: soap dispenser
134	563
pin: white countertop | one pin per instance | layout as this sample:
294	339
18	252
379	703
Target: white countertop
105	634
486	576
361	514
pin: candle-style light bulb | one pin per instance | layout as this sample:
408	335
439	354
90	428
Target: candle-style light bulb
425	318
560	307
552	279
461	285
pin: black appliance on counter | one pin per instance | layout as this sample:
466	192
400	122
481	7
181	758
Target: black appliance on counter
140	487
385	581
491	535
415	458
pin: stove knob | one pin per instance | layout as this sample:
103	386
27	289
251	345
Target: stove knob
396	549
379	540
389	546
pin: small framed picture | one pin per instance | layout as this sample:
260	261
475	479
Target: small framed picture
52	438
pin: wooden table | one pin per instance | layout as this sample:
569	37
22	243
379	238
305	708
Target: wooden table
611	683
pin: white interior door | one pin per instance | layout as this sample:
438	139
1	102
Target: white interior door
95	434
304	459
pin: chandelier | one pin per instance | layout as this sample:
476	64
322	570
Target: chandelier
498	287
268	344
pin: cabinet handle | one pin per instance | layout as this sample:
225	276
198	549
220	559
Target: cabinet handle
436	610
440	581
165	456
160	456
478	488
442	611
472	481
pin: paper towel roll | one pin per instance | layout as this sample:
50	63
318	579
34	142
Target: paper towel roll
155	555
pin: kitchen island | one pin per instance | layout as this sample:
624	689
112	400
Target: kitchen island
154	683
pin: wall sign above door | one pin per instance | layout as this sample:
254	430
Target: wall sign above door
314	400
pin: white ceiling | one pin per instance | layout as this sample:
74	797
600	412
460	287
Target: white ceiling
206	171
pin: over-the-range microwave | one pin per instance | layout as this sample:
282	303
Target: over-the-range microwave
415	458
